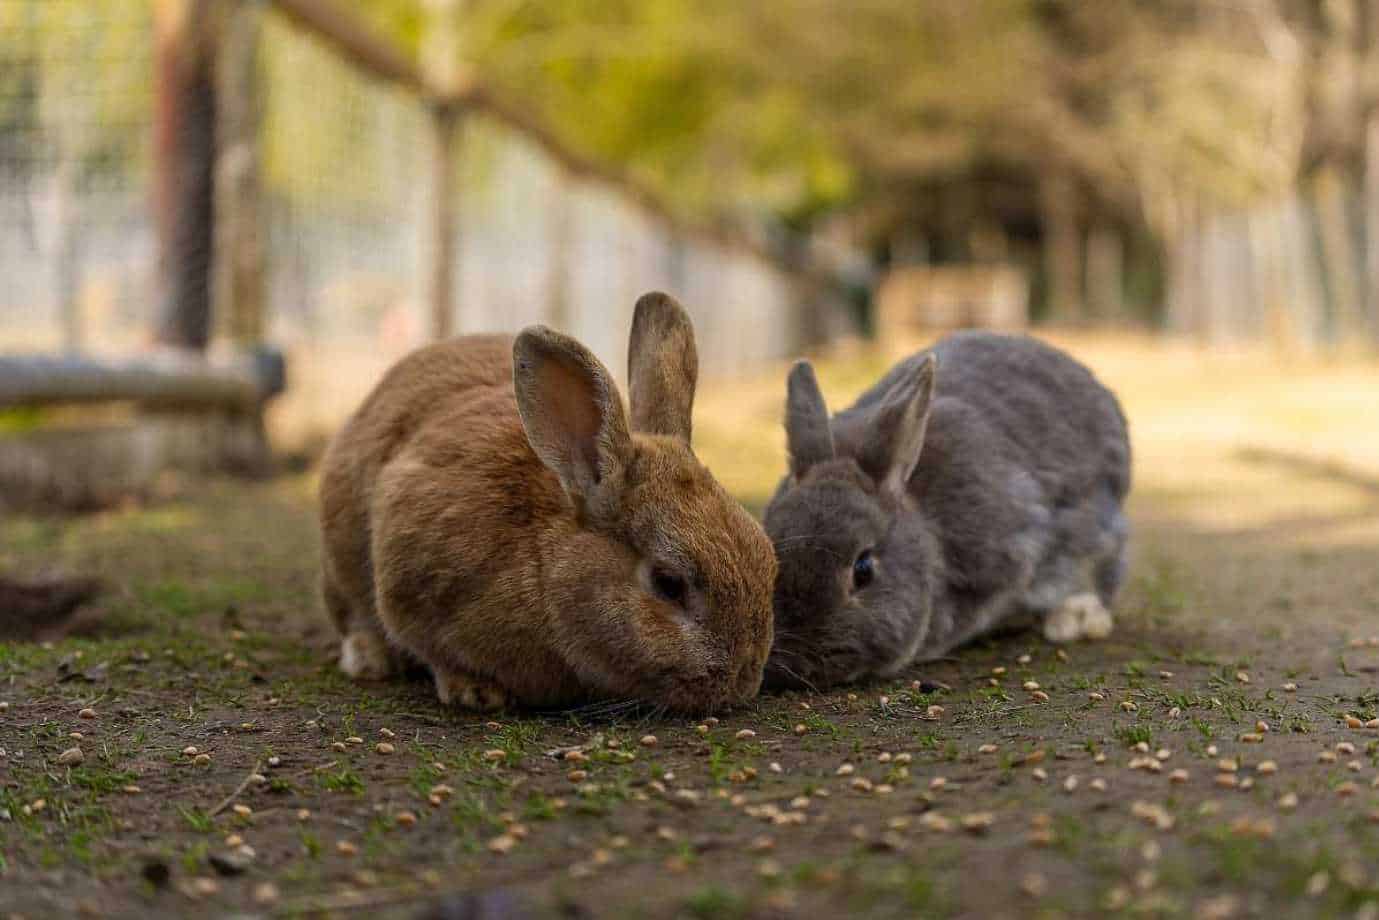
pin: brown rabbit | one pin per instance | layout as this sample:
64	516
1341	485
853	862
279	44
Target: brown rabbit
488	512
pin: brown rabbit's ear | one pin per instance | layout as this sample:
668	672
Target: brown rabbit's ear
897	435
807	434
572	414
662	367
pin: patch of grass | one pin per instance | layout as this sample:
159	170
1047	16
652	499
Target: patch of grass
713	902
342	780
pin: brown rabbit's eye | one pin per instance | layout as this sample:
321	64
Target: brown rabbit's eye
668	585
863	570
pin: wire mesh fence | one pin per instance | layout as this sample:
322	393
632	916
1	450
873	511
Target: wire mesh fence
342	219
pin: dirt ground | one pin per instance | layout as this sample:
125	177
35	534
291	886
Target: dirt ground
1212	759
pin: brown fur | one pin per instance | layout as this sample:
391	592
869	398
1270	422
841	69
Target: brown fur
524	574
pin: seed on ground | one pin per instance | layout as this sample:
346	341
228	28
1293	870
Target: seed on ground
1070	784
648	741
1242	677
1290	687
1288	801
987	749
1039	774
745	734
999	670
346	848
1098	784
1345	747
497	754
701	728
384	747
1262	727
1353	722
862	784
1326	757
354	739
1347	789
761	843
338	747
1166	675
1179	776
205	886
1039	696
243	811
903	758
503	843
1096	697
1034	884
577	776
978	822
201	760
1040	837
275	761
1163	754
1354	766
303	814
1031	685
1251	738
1174	713
1128	706
1152	814
1228	765
87	713
938	782
775	767
801	728
1099	757
1266	767
234	840
71	757
4	705
1372	723
1227	780
1211	750
131	790
387	733
934	711
846	769
190	750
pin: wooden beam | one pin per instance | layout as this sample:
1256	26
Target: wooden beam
166	381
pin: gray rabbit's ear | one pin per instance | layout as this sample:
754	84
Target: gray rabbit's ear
807	434
573	416
662	367
897	435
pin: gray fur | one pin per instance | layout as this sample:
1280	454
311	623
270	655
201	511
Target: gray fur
1013	507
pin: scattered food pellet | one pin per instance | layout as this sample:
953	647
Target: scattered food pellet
504	843
845	770
648	741
1346	789
189	750
354	739
1227	780
1163	754
1034	884
999	670
1326	757
1098	784
934	711
1288	801
577	776
338	747
701	728
275	761
346	848
1251	738
801	729
406	818
1096	697
1345	747
1266	767
746	734
938	782
1211	750
205	886
902	758
201	760
87	713
242	810
1039	774
1166	675
1031	685
775	767
384	747
265	893
1174	713
1353	722
1242	677
987	749
1070	784
1290	687
71	757
303	814
1128	705
1039	696
131	790
978	822
387	733
1178	776
1228	765
1354	766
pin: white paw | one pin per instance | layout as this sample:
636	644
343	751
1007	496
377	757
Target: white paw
1081	616
468	693
364	656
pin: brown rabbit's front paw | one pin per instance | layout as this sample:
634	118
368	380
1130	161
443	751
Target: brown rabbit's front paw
469	692
365	656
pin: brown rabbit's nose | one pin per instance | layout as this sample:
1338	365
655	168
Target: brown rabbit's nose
748	680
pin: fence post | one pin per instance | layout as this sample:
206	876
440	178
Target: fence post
239	267
184	155
441	62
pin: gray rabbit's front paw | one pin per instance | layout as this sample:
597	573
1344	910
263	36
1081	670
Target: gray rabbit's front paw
1081	616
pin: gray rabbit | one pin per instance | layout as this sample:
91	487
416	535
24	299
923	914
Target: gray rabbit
944	503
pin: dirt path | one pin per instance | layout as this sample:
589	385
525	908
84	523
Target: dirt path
1254	593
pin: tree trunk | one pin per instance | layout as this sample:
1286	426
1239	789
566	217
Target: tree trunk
441	61
239	258
1062	247
1105	274
184	158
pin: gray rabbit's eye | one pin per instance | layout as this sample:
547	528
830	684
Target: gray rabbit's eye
668	585
863	570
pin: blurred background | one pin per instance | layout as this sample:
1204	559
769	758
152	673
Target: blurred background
220	220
